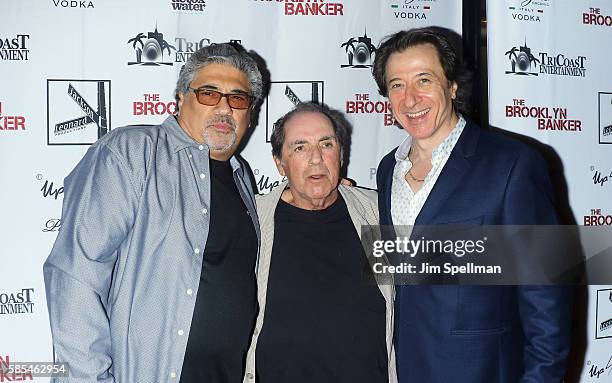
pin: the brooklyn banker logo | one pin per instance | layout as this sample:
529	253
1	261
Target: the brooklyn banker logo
605	117
78	111
359	51
284	95
308	7
523	61
11	122
604	314
17	301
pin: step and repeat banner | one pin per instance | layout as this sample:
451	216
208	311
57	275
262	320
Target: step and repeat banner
549	79
71	71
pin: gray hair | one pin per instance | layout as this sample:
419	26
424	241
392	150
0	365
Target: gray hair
232	54
342	128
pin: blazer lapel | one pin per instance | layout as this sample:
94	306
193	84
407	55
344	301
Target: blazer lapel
388	186
455	168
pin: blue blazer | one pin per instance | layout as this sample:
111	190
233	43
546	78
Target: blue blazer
482	334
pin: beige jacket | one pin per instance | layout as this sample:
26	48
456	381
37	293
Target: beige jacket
363	210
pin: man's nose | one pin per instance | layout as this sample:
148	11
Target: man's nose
223	106
316	156
411	97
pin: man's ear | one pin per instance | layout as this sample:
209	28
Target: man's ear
453	89
180	99
279	165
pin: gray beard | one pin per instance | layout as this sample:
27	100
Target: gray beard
213	144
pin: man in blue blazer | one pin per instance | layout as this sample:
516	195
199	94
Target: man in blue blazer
449	170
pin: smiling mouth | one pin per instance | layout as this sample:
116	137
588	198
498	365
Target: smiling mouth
418	114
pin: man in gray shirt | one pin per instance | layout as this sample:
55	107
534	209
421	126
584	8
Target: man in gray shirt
150	237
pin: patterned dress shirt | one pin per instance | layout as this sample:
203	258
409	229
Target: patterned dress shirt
123	276
405	203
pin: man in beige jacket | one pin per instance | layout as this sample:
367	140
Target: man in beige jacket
322	316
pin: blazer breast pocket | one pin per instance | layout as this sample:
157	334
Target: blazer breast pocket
480	311
459	221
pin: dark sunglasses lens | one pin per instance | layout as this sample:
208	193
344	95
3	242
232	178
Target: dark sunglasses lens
212	98
238	101
208	97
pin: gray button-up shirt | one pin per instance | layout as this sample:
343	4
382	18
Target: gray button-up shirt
124	272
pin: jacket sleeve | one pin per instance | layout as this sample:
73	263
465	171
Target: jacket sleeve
545	311
98	211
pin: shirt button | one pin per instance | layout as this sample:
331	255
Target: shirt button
189	291
196	250
205	211
189	155
201	147
250	376
173	375
202	176
180	332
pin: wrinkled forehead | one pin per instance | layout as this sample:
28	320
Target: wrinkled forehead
308	126
415	59
221	75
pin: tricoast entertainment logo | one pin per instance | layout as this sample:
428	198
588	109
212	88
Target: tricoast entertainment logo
523	61
14	48
359	51
17	301
149	48
154	48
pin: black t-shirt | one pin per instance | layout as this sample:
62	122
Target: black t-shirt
325	316
226	303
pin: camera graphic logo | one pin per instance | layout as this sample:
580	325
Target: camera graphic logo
522	61
359	51
149	49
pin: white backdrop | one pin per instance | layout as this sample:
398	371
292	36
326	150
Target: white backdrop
72	70
549	78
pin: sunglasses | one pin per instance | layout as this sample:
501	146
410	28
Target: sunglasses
211	97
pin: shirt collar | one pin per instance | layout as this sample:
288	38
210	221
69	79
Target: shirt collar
179	140
443	149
